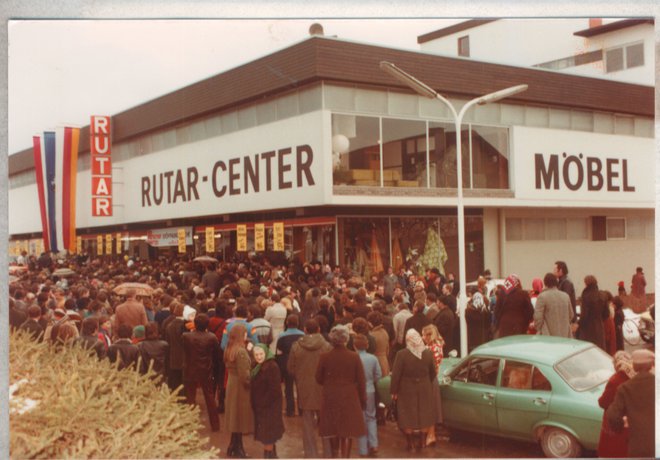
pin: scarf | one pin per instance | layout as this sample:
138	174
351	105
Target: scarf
478	301
269	355
414	343
623	362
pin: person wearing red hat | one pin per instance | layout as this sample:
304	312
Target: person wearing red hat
513	311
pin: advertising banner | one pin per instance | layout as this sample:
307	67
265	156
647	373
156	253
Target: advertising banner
164	237
101	166
181	233
241	237
118	243
108	244
210	240
99	245
259	237
278	236
79	245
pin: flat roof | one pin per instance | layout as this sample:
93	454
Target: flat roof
461	26
612	26
332	60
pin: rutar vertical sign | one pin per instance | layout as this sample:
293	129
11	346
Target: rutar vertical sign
99	140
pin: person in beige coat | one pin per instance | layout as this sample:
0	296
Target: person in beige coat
553	312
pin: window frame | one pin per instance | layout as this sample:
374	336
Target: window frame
463	44
607	228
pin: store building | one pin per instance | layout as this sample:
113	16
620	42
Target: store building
362	172
613	48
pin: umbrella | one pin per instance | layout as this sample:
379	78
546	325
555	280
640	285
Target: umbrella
205	259
140	289
63	272
375	258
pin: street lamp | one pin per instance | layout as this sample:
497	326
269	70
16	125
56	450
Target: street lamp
424	90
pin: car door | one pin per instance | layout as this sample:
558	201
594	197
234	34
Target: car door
468	402
523	399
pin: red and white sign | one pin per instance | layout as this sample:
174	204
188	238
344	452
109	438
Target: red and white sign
101	154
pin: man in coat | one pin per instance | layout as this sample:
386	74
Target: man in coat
418	320
284	343
634	401
32	326
201	350
123	349
514	311
302	363
553	312
131	312
445	320
89	337
565	284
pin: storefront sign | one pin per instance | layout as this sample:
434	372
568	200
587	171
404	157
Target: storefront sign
210	240
181	233
99	140
99	245
167	237
241	237
278	236
565	165
259	237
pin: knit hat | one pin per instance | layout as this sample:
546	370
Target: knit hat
139	332
511	282
189	313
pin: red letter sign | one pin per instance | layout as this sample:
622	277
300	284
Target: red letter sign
99	144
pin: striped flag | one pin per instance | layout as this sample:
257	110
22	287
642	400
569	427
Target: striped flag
56	167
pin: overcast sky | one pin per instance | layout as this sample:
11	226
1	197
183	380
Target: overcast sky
64	71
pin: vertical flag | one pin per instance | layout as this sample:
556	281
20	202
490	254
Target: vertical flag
108	244
79	245
118	243
99	245
181	233
56	167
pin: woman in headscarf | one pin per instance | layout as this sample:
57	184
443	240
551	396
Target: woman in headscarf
266	397
434	343
238	410
612	444
344	397
413	373
477	317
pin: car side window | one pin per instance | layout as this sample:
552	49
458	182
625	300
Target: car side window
539	381
479	370
517	375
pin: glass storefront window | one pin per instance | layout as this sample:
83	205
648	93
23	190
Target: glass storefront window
417	244
356	150
490	157
442	145
314	243
404	153
364	245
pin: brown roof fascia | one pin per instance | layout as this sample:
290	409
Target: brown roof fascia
461	26
612	26
327	59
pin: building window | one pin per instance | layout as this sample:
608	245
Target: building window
464	46
616	228
624	57
553	229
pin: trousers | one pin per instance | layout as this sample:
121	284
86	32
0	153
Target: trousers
310	424
370	440
209	397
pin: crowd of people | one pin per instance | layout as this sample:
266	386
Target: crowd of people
242	331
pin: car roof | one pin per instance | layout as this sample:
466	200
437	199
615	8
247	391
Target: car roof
541	349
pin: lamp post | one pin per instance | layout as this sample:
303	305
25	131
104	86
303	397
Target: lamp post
424	90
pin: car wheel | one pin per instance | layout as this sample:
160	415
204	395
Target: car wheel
557	443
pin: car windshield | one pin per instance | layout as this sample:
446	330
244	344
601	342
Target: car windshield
586	369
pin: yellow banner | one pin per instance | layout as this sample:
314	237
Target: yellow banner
278	236
99	245
210	240
182	240
39	247
241	237
108	244
259	237
118	243
79	245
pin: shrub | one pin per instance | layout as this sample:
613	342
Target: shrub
65	403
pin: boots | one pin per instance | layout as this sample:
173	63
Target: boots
231	449
421	440
274	454
239	451
410	441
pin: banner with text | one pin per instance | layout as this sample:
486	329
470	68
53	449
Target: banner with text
278	236
101	158
241	237
210	240
164	237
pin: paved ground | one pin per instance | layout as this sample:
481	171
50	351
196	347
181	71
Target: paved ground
392	443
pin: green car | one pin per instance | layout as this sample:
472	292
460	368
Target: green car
527	387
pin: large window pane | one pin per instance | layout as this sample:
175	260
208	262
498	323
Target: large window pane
404	153
442	146
490	157
364	245
356	150
417	244
635	55
614	60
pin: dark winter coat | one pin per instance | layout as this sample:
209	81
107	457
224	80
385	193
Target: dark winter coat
593	311
513	313
33	328
412	382
266	397
201	350
92	342
303	361
417	322
635	399
173	336
344	396
478	326
156	352
124	351
445	321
